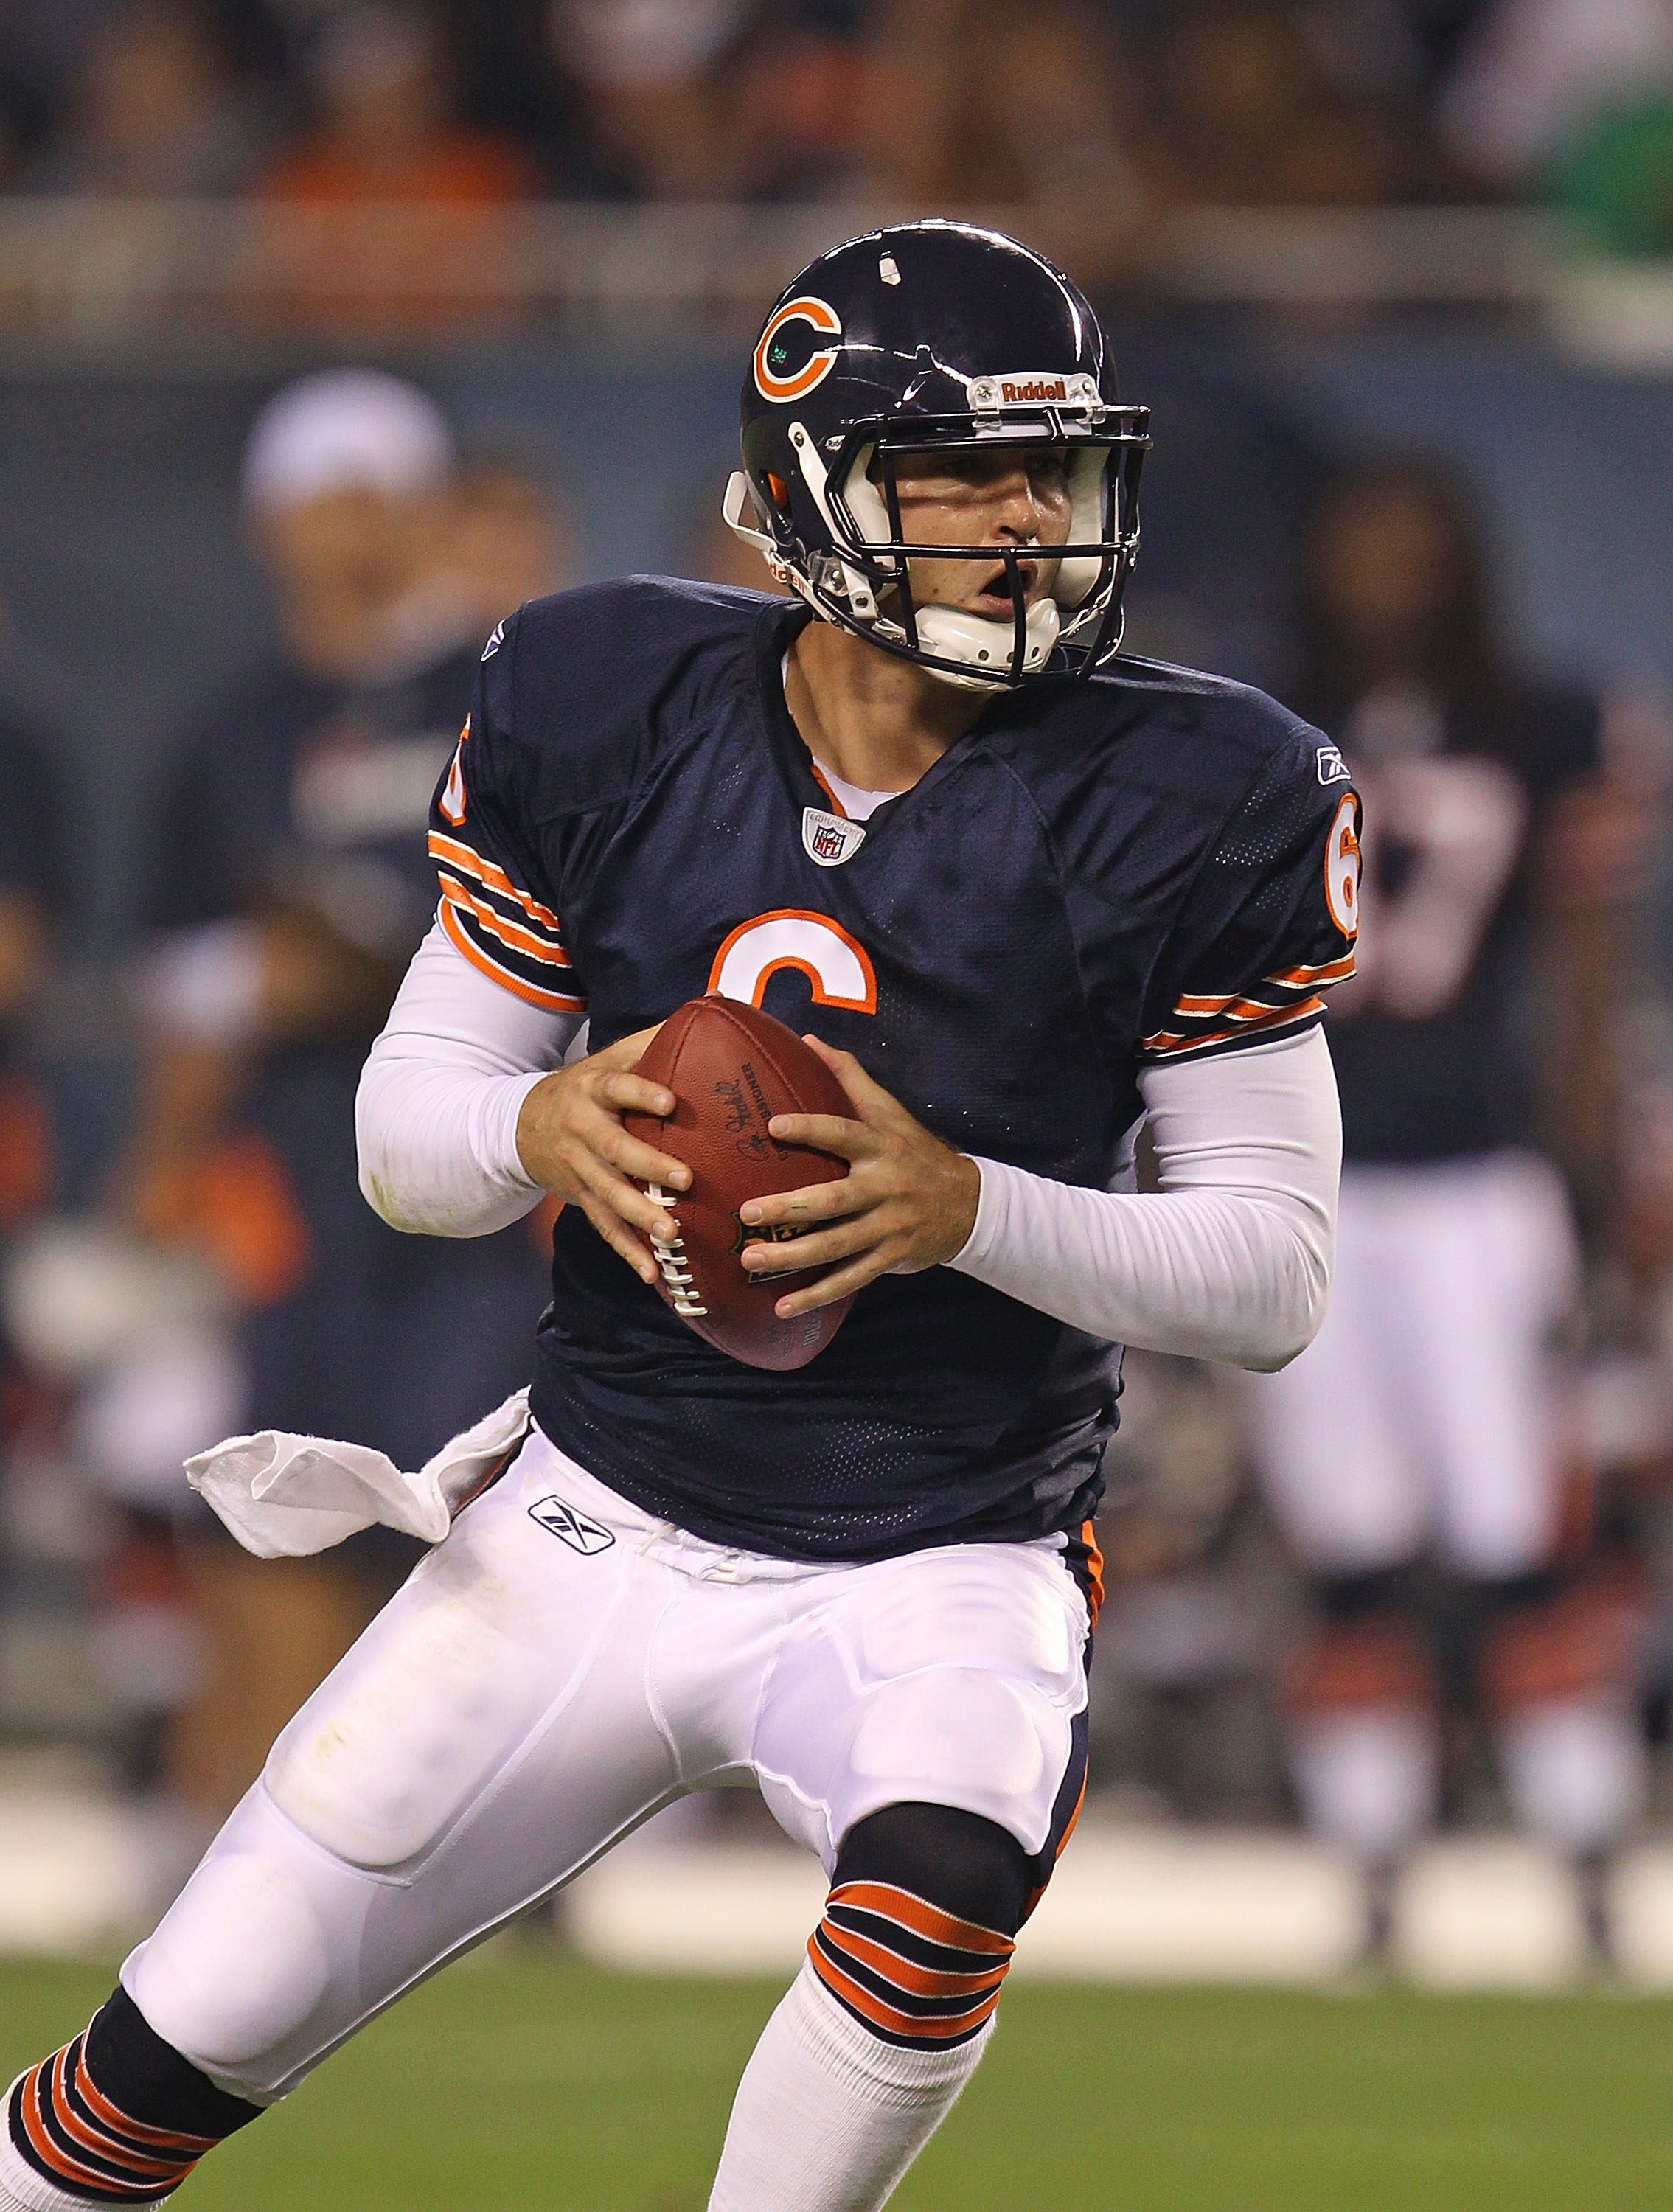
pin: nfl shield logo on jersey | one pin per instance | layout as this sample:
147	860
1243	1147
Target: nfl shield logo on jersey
577	1529
831	839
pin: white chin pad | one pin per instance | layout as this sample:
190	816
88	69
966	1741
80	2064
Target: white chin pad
986	646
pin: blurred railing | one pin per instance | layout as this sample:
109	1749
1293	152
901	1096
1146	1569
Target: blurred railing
84	272
105	270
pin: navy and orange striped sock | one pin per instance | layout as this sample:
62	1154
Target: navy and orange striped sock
914	1975
118	2117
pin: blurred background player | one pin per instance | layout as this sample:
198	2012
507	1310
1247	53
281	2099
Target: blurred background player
289	888
505	533
1420	1455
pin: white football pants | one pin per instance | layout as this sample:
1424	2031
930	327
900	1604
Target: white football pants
559	1669
1423	1412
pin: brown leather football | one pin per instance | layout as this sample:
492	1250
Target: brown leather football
731	1068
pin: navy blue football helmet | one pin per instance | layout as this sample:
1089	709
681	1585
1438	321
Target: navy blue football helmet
925	338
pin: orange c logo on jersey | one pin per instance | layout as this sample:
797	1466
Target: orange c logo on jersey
826	321
1341	868
837	965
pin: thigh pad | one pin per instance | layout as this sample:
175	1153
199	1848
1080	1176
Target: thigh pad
492	1636
952	1677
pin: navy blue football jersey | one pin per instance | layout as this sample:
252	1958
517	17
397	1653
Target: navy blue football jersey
1434	1045
1152	865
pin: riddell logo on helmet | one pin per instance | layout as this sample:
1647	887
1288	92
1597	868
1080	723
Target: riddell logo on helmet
1035	387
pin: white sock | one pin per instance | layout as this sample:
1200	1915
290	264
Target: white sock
827	2117
42	2196
1575	1772
1367	1777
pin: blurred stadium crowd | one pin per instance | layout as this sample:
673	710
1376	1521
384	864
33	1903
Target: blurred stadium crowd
1130	105
1425	1576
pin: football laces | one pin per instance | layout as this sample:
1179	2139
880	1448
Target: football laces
671	1259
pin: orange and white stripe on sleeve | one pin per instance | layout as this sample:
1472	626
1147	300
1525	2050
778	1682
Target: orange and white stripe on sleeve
500	929
1279	1003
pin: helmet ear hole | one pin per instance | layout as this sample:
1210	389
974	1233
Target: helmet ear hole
780	492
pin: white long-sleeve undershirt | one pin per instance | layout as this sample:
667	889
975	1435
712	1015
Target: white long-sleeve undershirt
1230	1259
435	1116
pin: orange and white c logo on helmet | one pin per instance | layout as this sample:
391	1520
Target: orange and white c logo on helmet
826	320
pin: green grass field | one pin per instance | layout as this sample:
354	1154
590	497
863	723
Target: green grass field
527	2083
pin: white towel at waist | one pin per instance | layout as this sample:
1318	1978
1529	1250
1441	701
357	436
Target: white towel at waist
284	1496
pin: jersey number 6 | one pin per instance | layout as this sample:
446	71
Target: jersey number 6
1342	869
837	966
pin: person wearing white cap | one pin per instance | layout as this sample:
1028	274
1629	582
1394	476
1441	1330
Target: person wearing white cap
289	887
341	488
345	426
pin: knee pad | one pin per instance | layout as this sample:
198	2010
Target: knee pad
119	2115
921	1922
241	1958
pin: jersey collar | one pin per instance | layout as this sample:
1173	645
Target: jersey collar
779	627
777	630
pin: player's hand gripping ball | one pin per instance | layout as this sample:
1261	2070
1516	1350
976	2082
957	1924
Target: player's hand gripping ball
731	1068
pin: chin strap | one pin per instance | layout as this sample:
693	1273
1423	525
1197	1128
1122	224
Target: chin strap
736	504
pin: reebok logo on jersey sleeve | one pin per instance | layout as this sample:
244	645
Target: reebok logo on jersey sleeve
1332	767
571	1526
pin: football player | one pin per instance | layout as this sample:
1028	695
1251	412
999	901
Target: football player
1458	1261
287	889
1020	893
